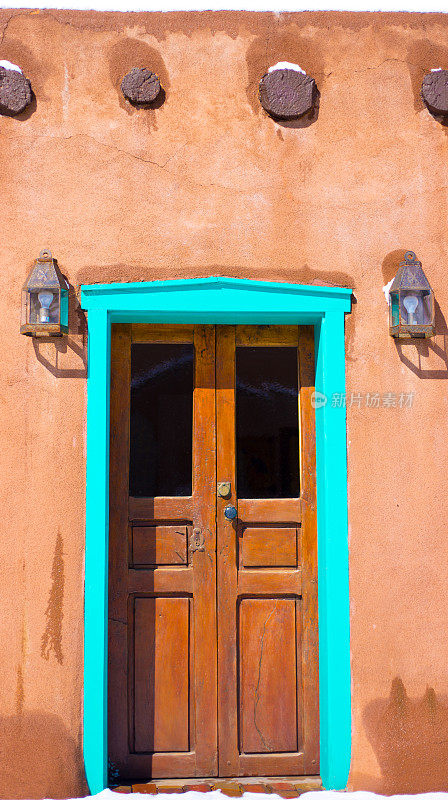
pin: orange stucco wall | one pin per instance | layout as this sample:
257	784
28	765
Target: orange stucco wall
208	184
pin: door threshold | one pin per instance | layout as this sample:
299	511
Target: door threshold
285	786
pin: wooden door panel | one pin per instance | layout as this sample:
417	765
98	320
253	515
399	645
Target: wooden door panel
267	566
162	597
158	765
161	669
266	336
269	510
161	508
270	582
268	547
272	764
181	334
163	580
268	675
154	545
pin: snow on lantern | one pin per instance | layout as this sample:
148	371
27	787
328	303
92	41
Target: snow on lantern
44	299
411	301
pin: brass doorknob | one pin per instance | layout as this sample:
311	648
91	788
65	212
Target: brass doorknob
224	489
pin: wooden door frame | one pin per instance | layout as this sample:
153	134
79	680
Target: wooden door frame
226	301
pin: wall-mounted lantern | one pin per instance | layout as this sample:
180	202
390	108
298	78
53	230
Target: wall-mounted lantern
411	301
44	299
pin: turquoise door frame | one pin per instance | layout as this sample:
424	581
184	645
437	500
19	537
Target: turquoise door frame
226	301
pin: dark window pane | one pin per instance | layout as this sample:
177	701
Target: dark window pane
267	422
161	420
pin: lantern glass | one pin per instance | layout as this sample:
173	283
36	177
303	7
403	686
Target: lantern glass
394	309
44	306
415	307
64	308
44	299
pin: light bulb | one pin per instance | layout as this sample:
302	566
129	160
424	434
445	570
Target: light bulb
45	299
410	303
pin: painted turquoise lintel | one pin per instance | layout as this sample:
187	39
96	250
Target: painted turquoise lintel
228	297
104	292
221	301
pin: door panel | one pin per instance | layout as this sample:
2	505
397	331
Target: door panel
212	621
154	545
268	547
161	693
162	607
268	675
267	627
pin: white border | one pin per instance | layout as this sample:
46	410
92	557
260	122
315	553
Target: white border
275	6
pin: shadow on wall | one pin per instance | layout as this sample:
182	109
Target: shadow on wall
56	769
54	359
36	69
422	56
124	56
410	741
423	348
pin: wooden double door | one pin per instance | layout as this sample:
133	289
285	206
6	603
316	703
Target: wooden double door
213	650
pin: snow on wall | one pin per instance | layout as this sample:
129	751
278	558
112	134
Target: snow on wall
9	65
386	289
287	65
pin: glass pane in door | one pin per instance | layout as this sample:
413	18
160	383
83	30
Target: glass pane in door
267	422
161	420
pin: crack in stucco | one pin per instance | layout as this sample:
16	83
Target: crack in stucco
114	147
234	190
156	164
12	17
6	25
179	149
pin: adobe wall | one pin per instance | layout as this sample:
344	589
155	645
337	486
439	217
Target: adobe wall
208	184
